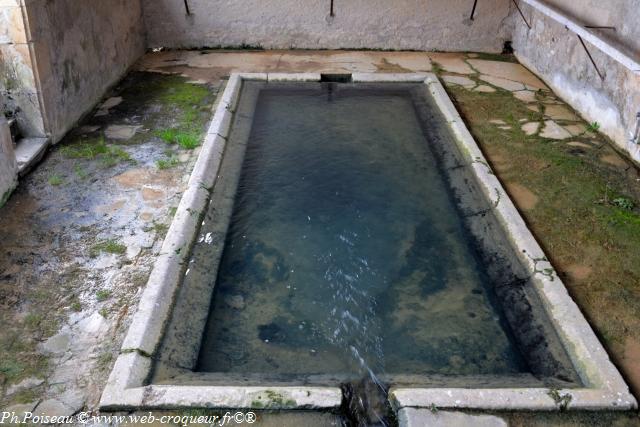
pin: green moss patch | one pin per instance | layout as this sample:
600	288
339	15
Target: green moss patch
587	217
110	246
96	148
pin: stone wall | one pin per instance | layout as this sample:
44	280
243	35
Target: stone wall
8	166
284	24
18	87
82	47
555	54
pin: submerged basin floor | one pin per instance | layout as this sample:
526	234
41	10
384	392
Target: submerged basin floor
346	250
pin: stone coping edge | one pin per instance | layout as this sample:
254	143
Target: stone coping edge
128	388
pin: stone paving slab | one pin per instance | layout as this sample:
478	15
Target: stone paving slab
412	417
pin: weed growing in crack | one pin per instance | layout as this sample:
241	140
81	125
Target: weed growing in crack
623	203
110	246
102	295
167	163
185	139
96	148
561	400
55	180
80	172
593	127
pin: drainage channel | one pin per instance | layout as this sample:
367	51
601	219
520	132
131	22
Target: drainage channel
365	403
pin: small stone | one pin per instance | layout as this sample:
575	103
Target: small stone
53	408
530	128
235	301
504	127
508	71
57	344
92	325
111	102
575	130
121	131
505	84
451	62
73	399
484	88
106	261
459	80
87	129
552	130
615	160
497	122
560	112
578	144
25	384
525	95
64	374
149	193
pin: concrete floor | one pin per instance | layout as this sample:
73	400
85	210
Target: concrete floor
80	235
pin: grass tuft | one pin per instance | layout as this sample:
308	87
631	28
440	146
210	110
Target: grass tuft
167	163
102	295
188	139
109	246
109	155
55	180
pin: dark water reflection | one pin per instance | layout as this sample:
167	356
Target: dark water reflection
346	253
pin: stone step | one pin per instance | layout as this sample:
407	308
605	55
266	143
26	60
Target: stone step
28	152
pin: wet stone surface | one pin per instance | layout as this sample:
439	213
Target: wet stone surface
79	237
591	241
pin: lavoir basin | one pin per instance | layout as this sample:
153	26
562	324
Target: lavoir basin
345	227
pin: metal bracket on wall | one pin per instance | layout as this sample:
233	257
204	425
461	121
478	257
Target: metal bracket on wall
600	27
627	59
521	14
590	57
473	9
186	7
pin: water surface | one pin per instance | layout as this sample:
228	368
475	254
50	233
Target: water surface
346	251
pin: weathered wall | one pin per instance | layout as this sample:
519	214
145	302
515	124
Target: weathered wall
556	55
8	166
18	88
283	24
82	47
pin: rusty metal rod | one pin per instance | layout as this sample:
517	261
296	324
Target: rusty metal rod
521	14
473	10
600	27
590	57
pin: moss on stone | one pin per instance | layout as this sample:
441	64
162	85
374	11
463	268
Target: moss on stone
576	220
